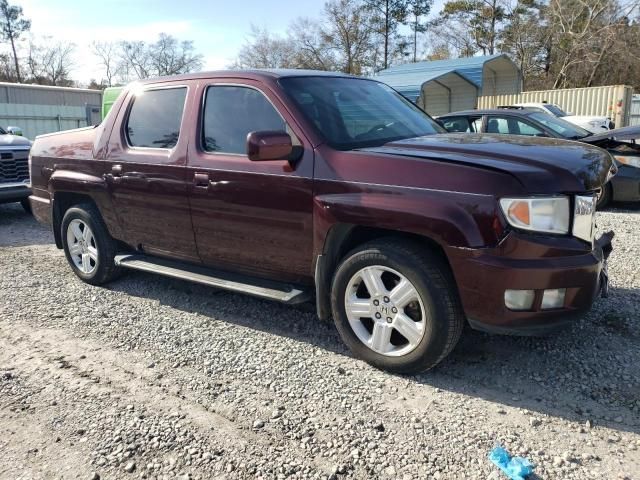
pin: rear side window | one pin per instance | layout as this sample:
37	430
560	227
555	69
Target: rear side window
462	124
155	117
231	113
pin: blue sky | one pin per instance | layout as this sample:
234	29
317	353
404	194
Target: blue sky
218	28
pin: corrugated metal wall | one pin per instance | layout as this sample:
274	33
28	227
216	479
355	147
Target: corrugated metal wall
634	114
38	109
612	101
38	119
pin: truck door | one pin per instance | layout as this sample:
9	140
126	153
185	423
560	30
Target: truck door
146	172
249	217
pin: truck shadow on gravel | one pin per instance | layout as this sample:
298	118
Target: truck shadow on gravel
586	373
19	228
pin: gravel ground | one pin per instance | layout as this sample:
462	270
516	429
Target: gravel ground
156	378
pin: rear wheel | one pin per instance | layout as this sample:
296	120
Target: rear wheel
89	248
396	306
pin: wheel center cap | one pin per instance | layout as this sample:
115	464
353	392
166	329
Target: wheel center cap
385	309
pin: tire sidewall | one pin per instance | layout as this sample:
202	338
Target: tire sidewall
605	198
77	213
433	343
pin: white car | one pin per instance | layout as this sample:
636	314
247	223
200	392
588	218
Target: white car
593	123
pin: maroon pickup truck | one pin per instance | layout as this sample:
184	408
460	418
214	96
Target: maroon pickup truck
290	185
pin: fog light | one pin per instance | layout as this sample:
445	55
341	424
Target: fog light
553	298
519	299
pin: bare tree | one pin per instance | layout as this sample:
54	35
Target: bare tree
169	56
582	32
388	14
418	9
12	25
311	48
50	62
108	54
349	30
265	50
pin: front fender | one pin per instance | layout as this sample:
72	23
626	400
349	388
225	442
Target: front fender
448	218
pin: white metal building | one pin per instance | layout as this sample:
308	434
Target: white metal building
443	86
38	109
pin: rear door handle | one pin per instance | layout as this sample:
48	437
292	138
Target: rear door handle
201	180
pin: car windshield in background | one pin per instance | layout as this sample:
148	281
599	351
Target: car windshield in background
559	126
353	113
554	109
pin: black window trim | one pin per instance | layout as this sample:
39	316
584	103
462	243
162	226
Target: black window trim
125	124
203	104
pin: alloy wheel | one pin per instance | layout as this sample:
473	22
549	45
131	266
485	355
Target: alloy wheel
82	246
385	311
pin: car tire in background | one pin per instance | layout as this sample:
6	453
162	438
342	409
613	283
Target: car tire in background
26	205
88	246
605	195
396	306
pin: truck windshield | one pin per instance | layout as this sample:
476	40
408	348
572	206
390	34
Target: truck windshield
560	126
355	113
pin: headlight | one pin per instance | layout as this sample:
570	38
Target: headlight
631	161
538	214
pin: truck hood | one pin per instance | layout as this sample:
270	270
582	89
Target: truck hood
624	133
585	118
14	141
541	165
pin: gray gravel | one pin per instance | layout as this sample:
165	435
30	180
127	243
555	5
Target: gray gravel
156	378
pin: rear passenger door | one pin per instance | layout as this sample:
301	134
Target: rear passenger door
146	173
249	217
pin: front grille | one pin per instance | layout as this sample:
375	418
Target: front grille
14	166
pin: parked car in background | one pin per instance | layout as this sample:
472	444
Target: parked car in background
621	143
592	123
289	185
14	168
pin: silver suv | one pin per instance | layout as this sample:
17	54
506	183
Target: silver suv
14	168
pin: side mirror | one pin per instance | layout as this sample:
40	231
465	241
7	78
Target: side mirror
14	131
269	145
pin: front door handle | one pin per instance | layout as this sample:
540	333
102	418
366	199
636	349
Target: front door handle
201	180
115	176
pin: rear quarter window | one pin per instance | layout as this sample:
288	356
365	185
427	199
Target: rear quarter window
155	117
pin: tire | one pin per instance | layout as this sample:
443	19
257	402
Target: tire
605	196
26	205
97	249
435	308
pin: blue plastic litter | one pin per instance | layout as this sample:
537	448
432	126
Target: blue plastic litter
516	468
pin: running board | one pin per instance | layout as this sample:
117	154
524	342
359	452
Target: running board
227	281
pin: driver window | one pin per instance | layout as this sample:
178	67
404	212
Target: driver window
232	112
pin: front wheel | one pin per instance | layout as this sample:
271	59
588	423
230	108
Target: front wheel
604	196
89	248
396	306
26	205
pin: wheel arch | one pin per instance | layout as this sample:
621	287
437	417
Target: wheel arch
343	238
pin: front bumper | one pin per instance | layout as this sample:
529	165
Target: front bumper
527	262
626	184
14	192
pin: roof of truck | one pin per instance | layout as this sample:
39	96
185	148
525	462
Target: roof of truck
250	74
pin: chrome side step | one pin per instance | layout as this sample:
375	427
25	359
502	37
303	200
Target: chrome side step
227	281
